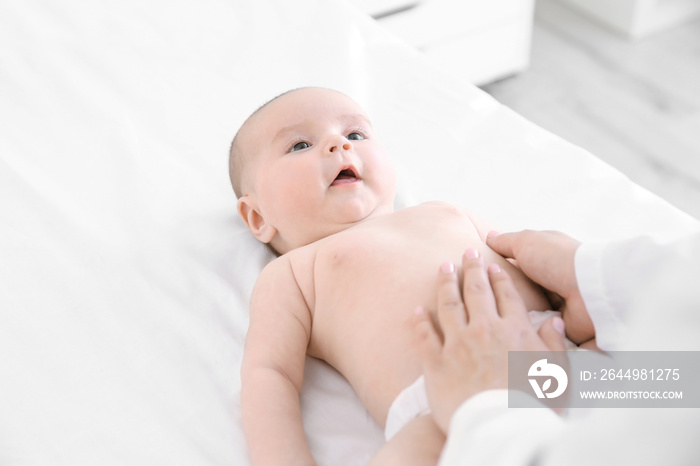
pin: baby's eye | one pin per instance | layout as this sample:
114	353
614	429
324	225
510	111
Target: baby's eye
300	146
355	136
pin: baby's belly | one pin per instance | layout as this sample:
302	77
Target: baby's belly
368	282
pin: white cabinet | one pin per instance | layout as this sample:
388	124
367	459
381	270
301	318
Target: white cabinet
475	39
638	18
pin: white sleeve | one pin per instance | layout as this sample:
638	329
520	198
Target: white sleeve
612	277
632	289
605	291
485	431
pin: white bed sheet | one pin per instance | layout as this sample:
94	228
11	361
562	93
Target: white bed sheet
124	272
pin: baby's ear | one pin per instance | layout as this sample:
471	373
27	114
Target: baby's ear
249	212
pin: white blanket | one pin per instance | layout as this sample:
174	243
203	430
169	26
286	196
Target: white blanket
124	271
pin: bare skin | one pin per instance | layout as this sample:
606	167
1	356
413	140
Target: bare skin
466	350
318	187
349	299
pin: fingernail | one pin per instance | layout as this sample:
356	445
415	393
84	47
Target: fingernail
494	268
492	234
471	253
447	267
558	325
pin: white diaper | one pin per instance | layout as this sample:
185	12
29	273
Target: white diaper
411	403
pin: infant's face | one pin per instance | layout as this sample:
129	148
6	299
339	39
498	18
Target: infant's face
317	167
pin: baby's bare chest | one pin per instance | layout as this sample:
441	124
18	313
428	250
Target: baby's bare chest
371	277
391	249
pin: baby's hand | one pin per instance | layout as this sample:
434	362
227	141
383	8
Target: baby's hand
479	329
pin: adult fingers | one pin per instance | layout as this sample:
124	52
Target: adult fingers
503	243
552	333
478	295
508	300
451	313
546	257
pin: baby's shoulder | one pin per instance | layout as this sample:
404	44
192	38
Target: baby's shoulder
286	266
291	272
276	272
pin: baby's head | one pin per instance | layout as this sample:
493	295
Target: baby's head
306	165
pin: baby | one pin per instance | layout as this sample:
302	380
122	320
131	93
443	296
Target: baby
314	184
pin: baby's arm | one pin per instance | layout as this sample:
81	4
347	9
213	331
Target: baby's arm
273	369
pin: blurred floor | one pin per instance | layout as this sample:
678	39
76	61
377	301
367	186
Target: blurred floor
635	105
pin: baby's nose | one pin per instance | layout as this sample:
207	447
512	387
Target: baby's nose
336	142
346	145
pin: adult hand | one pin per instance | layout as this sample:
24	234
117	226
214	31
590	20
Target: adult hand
547	258
477	333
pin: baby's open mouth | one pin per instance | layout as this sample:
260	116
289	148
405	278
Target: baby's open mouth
345	176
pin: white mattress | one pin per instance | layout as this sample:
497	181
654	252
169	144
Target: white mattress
124	271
